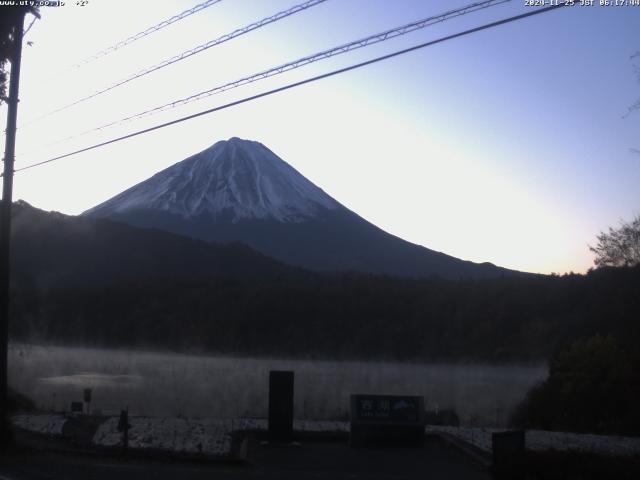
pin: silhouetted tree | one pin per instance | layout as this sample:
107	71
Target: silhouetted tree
8	19
619	247
591	388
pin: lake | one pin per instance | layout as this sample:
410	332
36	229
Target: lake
169	384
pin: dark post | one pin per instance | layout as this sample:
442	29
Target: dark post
280	406
87	400
5	216
123	426
508	454
76	407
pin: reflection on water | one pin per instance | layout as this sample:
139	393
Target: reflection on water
166	384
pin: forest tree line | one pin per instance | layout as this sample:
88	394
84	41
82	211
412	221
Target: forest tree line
341	315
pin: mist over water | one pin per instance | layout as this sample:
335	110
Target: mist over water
168	384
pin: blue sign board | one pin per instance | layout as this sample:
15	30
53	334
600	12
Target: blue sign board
387	408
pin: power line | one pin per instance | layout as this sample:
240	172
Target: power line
188	53
344	48
302	82
129	40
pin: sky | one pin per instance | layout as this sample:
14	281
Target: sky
510	145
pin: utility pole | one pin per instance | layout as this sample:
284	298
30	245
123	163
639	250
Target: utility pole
5	218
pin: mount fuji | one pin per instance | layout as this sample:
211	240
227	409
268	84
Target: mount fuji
239	190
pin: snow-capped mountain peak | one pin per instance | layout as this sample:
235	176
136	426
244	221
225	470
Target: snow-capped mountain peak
239	178
240	191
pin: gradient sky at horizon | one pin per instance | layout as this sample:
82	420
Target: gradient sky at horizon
509	145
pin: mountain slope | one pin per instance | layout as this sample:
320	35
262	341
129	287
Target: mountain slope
52	250
238	190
